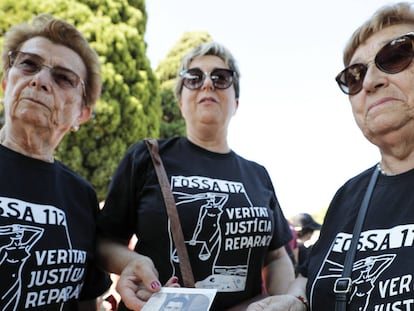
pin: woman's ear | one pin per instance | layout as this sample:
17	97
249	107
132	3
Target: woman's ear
180	106
85	115
3	83
236	107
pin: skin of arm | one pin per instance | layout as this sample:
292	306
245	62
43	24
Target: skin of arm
278	274
278	271
286	302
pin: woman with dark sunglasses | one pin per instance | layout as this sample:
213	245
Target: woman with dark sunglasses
47	212
232	223
379	78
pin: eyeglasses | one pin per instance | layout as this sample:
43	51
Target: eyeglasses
392	58
30	64
194	78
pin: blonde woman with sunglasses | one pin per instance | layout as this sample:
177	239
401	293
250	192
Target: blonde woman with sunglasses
232	223
379	80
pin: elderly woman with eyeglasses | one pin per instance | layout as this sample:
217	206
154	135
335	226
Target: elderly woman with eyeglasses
51	81
232	223
379	80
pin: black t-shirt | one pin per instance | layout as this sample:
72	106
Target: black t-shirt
47	235
228	210
383	269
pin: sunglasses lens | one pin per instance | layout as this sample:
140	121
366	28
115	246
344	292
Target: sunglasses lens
192	78
396	55
222	78
350	80
392	58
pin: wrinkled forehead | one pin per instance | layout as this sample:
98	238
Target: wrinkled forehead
55	54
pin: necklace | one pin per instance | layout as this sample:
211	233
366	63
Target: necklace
379	168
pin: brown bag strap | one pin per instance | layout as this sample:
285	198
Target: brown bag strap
177	233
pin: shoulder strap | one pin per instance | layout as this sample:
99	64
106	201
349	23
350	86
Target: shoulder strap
343	285
177	233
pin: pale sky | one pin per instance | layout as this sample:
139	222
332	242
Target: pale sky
292	117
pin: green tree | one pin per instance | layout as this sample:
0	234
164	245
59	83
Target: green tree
172	123
129	109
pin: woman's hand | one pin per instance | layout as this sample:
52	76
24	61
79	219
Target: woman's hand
137	282
278	303
138	278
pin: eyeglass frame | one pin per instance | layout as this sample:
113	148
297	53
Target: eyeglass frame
375	61
207	74
51	68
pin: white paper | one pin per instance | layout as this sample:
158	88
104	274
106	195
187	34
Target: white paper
181	299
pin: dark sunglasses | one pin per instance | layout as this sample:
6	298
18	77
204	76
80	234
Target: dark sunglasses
194	78
30	64
392	58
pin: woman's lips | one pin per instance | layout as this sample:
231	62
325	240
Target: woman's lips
207	99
